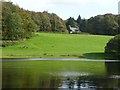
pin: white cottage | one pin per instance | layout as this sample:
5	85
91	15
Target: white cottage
74	30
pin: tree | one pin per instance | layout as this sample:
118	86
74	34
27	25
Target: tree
79	20
57	24
28	25
45	24
14	26
24	23
103	24
30	28
111	24
112	48
83	25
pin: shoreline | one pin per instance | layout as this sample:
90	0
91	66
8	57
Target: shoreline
56	59
2	57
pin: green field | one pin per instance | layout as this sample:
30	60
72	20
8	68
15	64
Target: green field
58	45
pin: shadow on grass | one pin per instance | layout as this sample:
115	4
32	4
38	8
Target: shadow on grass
96	55
106	56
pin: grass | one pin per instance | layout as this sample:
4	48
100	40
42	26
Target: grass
57	45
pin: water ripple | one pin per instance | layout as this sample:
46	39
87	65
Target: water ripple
115	76
69	74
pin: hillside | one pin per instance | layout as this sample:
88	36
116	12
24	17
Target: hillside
57	45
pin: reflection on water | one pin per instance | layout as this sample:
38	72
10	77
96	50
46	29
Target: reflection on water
71	74
91	83
113	72
115	76
79	83
112	67
66	79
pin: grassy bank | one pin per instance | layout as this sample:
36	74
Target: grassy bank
57	45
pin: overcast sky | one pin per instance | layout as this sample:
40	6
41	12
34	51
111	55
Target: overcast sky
73	8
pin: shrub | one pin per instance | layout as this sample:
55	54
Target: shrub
112	48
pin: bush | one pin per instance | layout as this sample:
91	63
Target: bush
112	49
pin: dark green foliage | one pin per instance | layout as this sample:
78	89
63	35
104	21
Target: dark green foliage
29	25
103	24
79	20
107	24
14	27
113	48
36	17
113	45
18	23
57	24
45	24
82	23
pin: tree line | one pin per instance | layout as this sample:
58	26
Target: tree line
18	23
107	24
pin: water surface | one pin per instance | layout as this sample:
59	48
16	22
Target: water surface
76	74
